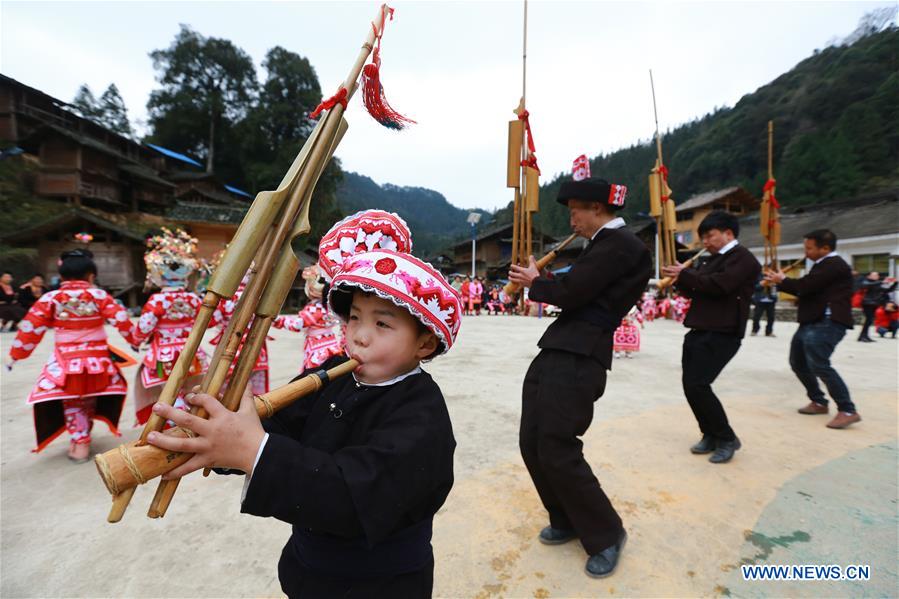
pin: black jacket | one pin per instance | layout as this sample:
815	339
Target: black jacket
876	292
721	289
359	471
604	282
828	283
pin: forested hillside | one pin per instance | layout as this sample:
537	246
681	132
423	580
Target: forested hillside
836	119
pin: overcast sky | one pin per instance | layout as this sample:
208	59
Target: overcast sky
455	67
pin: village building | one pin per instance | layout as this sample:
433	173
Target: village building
78	178
690	213
493	252
867	230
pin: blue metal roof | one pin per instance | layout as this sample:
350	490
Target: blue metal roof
239	192
175	155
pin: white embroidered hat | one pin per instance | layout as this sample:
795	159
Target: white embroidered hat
406	281
362	232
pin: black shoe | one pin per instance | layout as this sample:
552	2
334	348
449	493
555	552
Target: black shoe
705	445
603	563
866	339
725	451
556	536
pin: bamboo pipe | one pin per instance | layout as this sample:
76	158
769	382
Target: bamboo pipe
512	288
667	281
236	385
295	193
284	273
172	386
124	468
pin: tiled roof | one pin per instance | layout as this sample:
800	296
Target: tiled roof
865	216
196	212
704	199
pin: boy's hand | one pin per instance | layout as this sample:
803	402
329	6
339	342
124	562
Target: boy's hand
225	440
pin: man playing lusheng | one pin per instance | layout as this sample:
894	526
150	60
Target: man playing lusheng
825	314
721	290
569	373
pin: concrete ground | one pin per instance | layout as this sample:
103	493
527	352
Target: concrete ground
797	493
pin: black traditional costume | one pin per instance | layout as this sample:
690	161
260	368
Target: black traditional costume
569	373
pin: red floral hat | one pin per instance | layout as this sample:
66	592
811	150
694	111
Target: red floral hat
362	232
406	281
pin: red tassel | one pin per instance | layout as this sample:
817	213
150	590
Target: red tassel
376	102
372	91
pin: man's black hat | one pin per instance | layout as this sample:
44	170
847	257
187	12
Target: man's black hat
593	190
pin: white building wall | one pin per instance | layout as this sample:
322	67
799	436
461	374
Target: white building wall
847	248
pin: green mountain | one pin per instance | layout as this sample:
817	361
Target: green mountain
435	223
836	135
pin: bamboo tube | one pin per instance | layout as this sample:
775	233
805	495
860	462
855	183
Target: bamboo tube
124	468
667	281
513	288
532	181
250	299
513	161
655	193
295	192
516	208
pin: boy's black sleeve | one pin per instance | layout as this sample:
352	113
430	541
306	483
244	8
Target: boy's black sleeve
365	489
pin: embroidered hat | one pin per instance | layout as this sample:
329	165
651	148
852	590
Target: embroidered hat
406	281
171	258
362	232
593	190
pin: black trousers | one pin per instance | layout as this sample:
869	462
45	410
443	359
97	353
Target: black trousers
298	581
869	319
705	355
557	408
766	308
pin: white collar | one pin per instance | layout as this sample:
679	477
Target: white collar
392	381
728	247
615	223
830	255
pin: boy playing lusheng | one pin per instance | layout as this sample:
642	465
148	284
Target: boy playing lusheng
361	467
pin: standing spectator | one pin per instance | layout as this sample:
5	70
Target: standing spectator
32	291
876	294
464	291
10	310
475	290
457	283
764	297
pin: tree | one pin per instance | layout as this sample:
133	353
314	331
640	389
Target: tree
86	103
109	111
278	125
208	84
113	113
